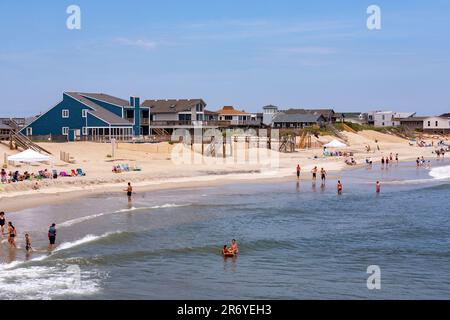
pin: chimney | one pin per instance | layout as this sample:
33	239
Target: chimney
135	103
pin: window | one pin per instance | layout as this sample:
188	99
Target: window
65	113
429	123
84	113
383	117
29	131
199	108
228	118
84	131
65	131
437	124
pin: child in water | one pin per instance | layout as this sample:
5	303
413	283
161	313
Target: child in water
226	251
27	242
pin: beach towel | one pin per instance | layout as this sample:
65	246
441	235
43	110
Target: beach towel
81	173
74	173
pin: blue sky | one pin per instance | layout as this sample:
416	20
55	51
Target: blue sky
245	53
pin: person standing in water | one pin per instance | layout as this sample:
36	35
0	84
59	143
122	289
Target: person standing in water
12	233
234	247
27	242
52	236
339	187
129	191
323	175
298	171
396	157
2	222
378	187
314	173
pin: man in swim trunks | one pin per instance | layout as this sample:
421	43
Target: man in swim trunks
129	191
2	222
234	247
314	173
323	175
378	187
52	236
298	171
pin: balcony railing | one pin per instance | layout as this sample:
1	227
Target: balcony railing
212	123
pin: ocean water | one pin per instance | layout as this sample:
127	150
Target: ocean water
297	240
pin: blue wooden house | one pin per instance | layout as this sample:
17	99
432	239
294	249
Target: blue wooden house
91	116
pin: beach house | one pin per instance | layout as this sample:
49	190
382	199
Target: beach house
390	118
298	120
88	116
438	125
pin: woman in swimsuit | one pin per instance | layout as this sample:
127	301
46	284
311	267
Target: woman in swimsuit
339	187
12	234
2	222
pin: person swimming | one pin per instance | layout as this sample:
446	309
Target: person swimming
378	187
226	250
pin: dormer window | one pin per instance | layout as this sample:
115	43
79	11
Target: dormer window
65	113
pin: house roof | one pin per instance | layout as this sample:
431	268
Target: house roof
99	111
209	112
297	117
411	119
229	110
4	126
324	112
107	98
171	106
445	115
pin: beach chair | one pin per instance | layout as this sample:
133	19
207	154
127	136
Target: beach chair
81	173
126	167
55	174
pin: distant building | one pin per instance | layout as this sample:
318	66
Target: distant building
269	112
328	114
390	118
355	117
439	125
412	123
235	117
298	120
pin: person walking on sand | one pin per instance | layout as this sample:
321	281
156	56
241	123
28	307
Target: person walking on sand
52	236
12	233
339	187
323	175
298	171
378	187
314	173
129	191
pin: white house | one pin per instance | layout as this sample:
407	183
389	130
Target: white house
390	118
436	124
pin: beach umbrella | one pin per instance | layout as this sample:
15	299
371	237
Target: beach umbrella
29	156
335	144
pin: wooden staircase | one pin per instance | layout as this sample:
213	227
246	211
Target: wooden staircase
337	133
18	140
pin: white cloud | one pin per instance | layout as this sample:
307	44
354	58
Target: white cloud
140	43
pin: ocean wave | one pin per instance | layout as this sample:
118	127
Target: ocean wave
72	222
86	239
440	173
44	282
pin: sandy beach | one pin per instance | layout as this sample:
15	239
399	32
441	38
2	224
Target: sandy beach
160	171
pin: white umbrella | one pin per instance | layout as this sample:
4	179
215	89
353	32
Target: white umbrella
29	156
335	144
